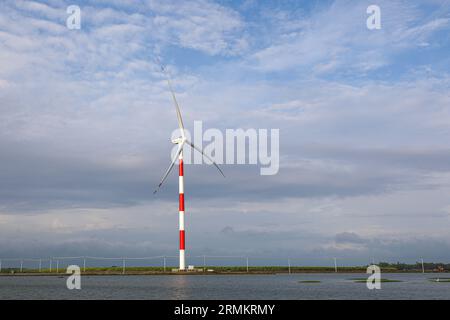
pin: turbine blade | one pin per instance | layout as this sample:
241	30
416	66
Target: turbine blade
201	151
180	147
177	107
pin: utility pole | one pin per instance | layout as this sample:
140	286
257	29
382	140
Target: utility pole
40	265
84	264
21	266
289	264
204	263
123	266
423	268
50	265
335	265
247	264
164	264
57	266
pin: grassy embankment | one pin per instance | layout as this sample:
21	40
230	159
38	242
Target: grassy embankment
385	268
199	270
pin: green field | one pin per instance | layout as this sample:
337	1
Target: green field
198	270
212	270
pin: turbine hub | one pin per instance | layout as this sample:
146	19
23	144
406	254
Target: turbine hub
178	140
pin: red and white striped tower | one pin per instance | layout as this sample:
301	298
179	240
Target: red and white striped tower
181	213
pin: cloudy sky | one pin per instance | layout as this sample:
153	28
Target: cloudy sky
364	119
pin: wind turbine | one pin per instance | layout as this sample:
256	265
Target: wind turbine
181	142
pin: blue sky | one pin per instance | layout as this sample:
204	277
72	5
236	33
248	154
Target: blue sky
364	119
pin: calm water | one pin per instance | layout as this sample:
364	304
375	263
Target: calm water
332	286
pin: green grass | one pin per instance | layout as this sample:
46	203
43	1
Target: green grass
216	269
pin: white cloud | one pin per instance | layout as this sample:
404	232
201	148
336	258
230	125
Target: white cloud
200	25
336	38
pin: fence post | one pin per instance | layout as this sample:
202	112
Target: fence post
247	264
289	264
123	266
335	265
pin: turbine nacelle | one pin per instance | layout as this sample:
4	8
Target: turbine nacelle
179	140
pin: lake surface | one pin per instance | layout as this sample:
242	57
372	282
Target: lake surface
282	286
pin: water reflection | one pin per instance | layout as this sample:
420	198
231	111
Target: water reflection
179	286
